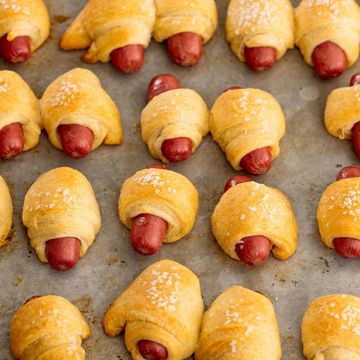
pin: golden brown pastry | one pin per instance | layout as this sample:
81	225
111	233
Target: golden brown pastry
20	121
113	30
24	27
328	34
174	114
160	312
158	205
186	26
62	217
260	31
48	328
331	328
338	213
251	220
240	324
6	211
248	124
79	115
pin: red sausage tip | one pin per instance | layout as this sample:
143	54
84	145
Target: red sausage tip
177	149
347	247
348	172
329	60
76	140
63	253
185	49
257	162
32	298
11	141
355	80
147	233
235	180
128	59
232	88
355	135
260	58
16	51
162	83
253	250
151	350
157	166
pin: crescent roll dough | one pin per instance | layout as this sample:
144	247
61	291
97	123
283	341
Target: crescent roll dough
240	324
244	120
259	23
25	18
250	209
163	193
338	211
48	328
337	21
177	16
331	328
61	203
6	211
77	97
105	25
172	114
342	111
163	304
18	104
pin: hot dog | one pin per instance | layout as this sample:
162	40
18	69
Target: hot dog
15	51
162	83
11	141
235	180
63	253
76	140
355	80
252	250
128	59
345	246
232	88
260	58
148	231
257	162
185	49
176	149
355	132
329	60
151	350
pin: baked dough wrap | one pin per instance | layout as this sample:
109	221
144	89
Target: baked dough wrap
48	328
244	120
239	325
18	104
250	209
178	16
25	18
260	23
105	25
342	111
6	211
173	114
77	97
163	304
331	328
61	203
163	193
337	21
338	212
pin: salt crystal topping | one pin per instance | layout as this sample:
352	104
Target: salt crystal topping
14	7
356	91
67	93
334	7
164	290
349	318
4	86
250	13
155	180
233	346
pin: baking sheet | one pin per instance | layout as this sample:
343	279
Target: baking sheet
309	161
